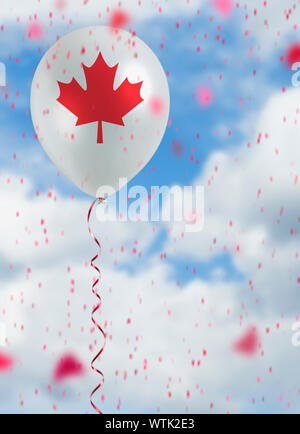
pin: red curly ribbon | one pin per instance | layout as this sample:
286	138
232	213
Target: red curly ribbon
96	308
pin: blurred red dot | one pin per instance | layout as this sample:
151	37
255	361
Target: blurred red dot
35	31
293	54
248	343
68	366
119	18
223	7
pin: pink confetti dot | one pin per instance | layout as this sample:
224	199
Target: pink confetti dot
68	366
293	54
35	31
6	362
119	18
60	4
223	7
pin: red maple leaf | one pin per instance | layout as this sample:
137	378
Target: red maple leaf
100	102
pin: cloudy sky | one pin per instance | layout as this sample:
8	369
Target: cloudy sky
196	323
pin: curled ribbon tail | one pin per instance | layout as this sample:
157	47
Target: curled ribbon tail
96	308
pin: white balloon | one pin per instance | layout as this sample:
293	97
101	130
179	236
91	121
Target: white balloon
74	149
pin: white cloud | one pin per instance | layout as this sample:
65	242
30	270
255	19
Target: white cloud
147	316
252	207
42	228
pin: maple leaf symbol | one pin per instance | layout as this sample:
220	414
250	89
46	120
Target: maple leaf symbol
100	102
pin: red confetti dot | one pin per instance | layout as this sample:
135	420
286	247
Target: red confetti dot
293	54
119	18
